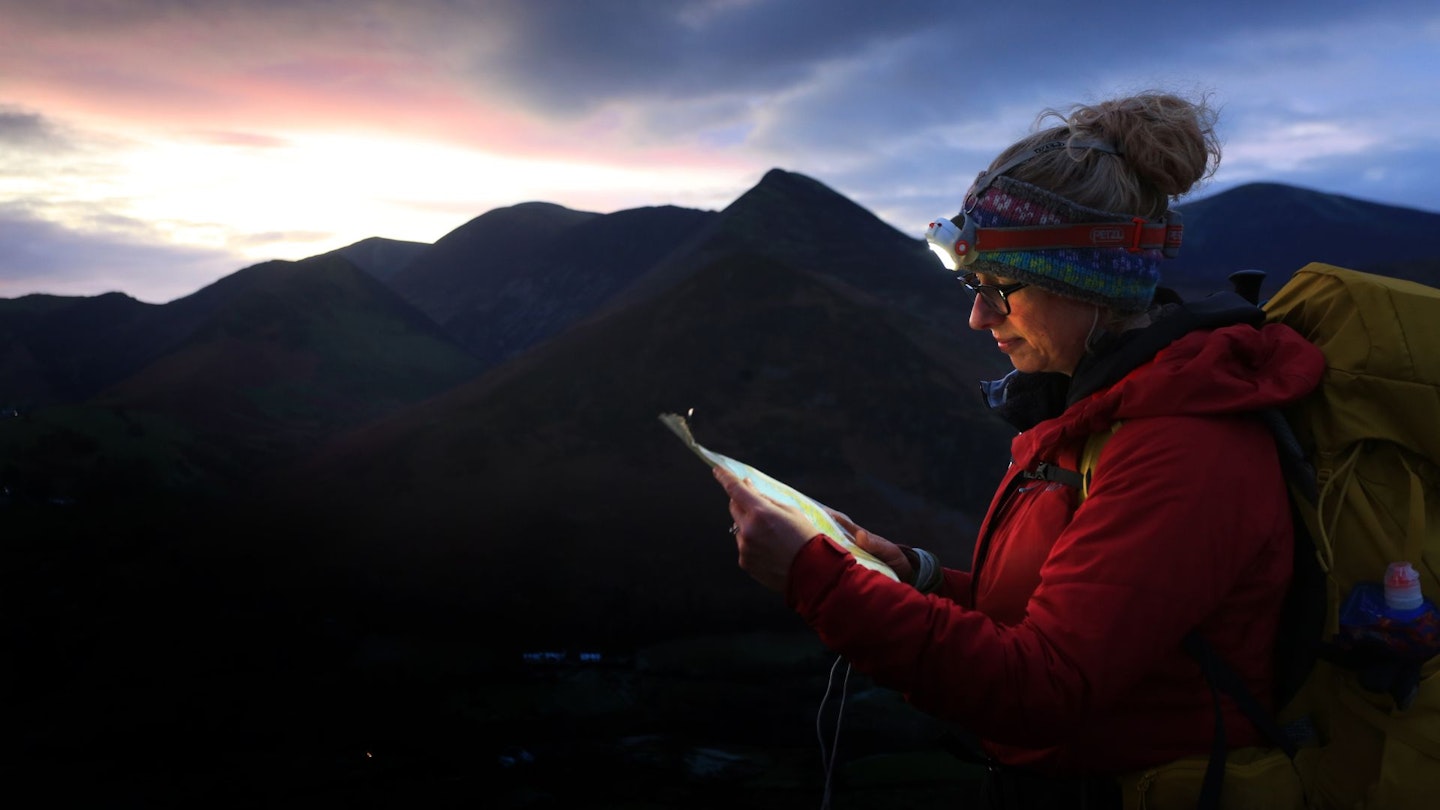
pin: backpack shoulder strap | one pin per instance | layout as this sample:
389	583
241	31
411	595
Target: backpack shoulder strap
1077	479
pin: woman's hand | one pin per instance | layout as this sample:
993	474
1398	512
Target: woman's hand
769	534
878	547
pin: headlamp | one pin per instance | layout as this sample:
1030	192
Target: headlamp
953	242
958	241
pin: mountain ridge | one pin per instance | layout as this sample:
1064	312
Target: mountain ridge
567	436
582	268
289	522
1254	226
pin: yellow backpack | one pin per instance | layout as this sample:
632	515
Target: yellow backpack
1370	435
1372	432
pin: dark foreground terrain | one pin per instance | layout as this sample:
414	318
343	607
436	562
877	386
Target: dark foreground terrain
148	668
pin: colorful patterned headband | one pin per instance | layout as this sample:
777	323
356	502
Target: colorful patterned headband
1116	275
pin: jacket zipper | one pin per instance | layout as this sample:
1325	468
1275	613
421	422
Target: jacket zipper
983	547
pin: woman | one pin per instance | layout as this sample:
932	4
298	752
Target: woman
1061	648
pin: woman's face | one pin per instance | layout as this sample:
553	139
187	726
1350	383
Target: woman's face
1043	332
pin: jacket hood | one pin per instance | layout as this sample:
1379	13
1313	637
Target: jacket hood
1231	370
1122	353
1210	357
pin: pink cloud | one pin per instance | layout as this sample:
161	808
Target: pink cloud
266	72
246	139
246	75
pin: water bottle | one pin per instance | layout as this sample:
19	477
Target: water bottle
1393	614
1388	630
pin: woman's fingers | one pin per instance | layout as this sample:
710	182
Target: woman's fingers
844	520
738	489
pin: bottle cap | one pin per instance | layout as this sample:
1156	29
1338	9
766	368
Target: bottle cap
1402	587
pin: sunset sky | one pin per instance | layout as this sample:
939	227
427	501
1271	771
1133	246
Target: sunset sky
153	146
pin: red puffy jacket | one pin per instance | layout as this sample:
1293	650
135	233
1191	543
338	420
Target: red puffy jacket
1063	650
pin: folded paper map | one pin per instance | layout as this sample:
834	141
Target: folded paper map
780	492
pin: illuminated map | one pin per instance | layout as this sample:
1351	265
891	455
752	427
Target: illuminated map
779	492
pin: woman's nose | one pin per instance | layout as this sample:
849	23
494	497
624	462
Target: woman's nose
982	315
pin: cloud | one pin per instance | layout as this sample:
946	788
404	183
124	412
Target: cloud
274	237
43	256
570	58
20	129
622	78
406	119
244	139
1300	96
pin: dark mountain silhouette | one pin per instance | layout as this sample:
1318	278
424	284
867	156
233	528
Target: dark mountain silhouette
275	358
555	468
380	257
838	368
799	222
81	345
27	378
59	349
1279	229
296	351
509	279
515	276
588	264
429	517
74	347
470	262
255	368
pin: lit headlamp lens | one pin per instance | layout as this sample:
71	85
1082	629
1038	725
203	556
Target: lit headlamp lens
951	241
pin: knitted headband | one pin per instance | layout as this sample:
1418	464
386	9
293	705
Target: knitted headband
1116	277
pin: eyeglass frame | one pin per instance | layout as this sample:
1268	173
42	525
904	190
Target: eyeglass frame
1001	291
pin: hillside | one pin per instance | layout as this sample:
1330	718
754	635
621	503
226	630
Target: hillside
256	368
296	351
1279	229
467	264
561	455
570	277
58	349
286	541
380	257
797	221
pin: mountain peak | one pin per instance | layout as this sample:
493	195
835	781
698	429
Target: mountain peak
528	212
792	216
1273	227
779	175
794	186
380	257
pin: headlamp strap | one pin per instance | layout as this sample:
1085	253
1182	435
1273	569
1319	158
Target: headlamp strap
986	178
960	241
1134	236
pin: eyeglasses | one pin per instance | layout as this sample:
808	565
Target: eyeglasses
995	296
